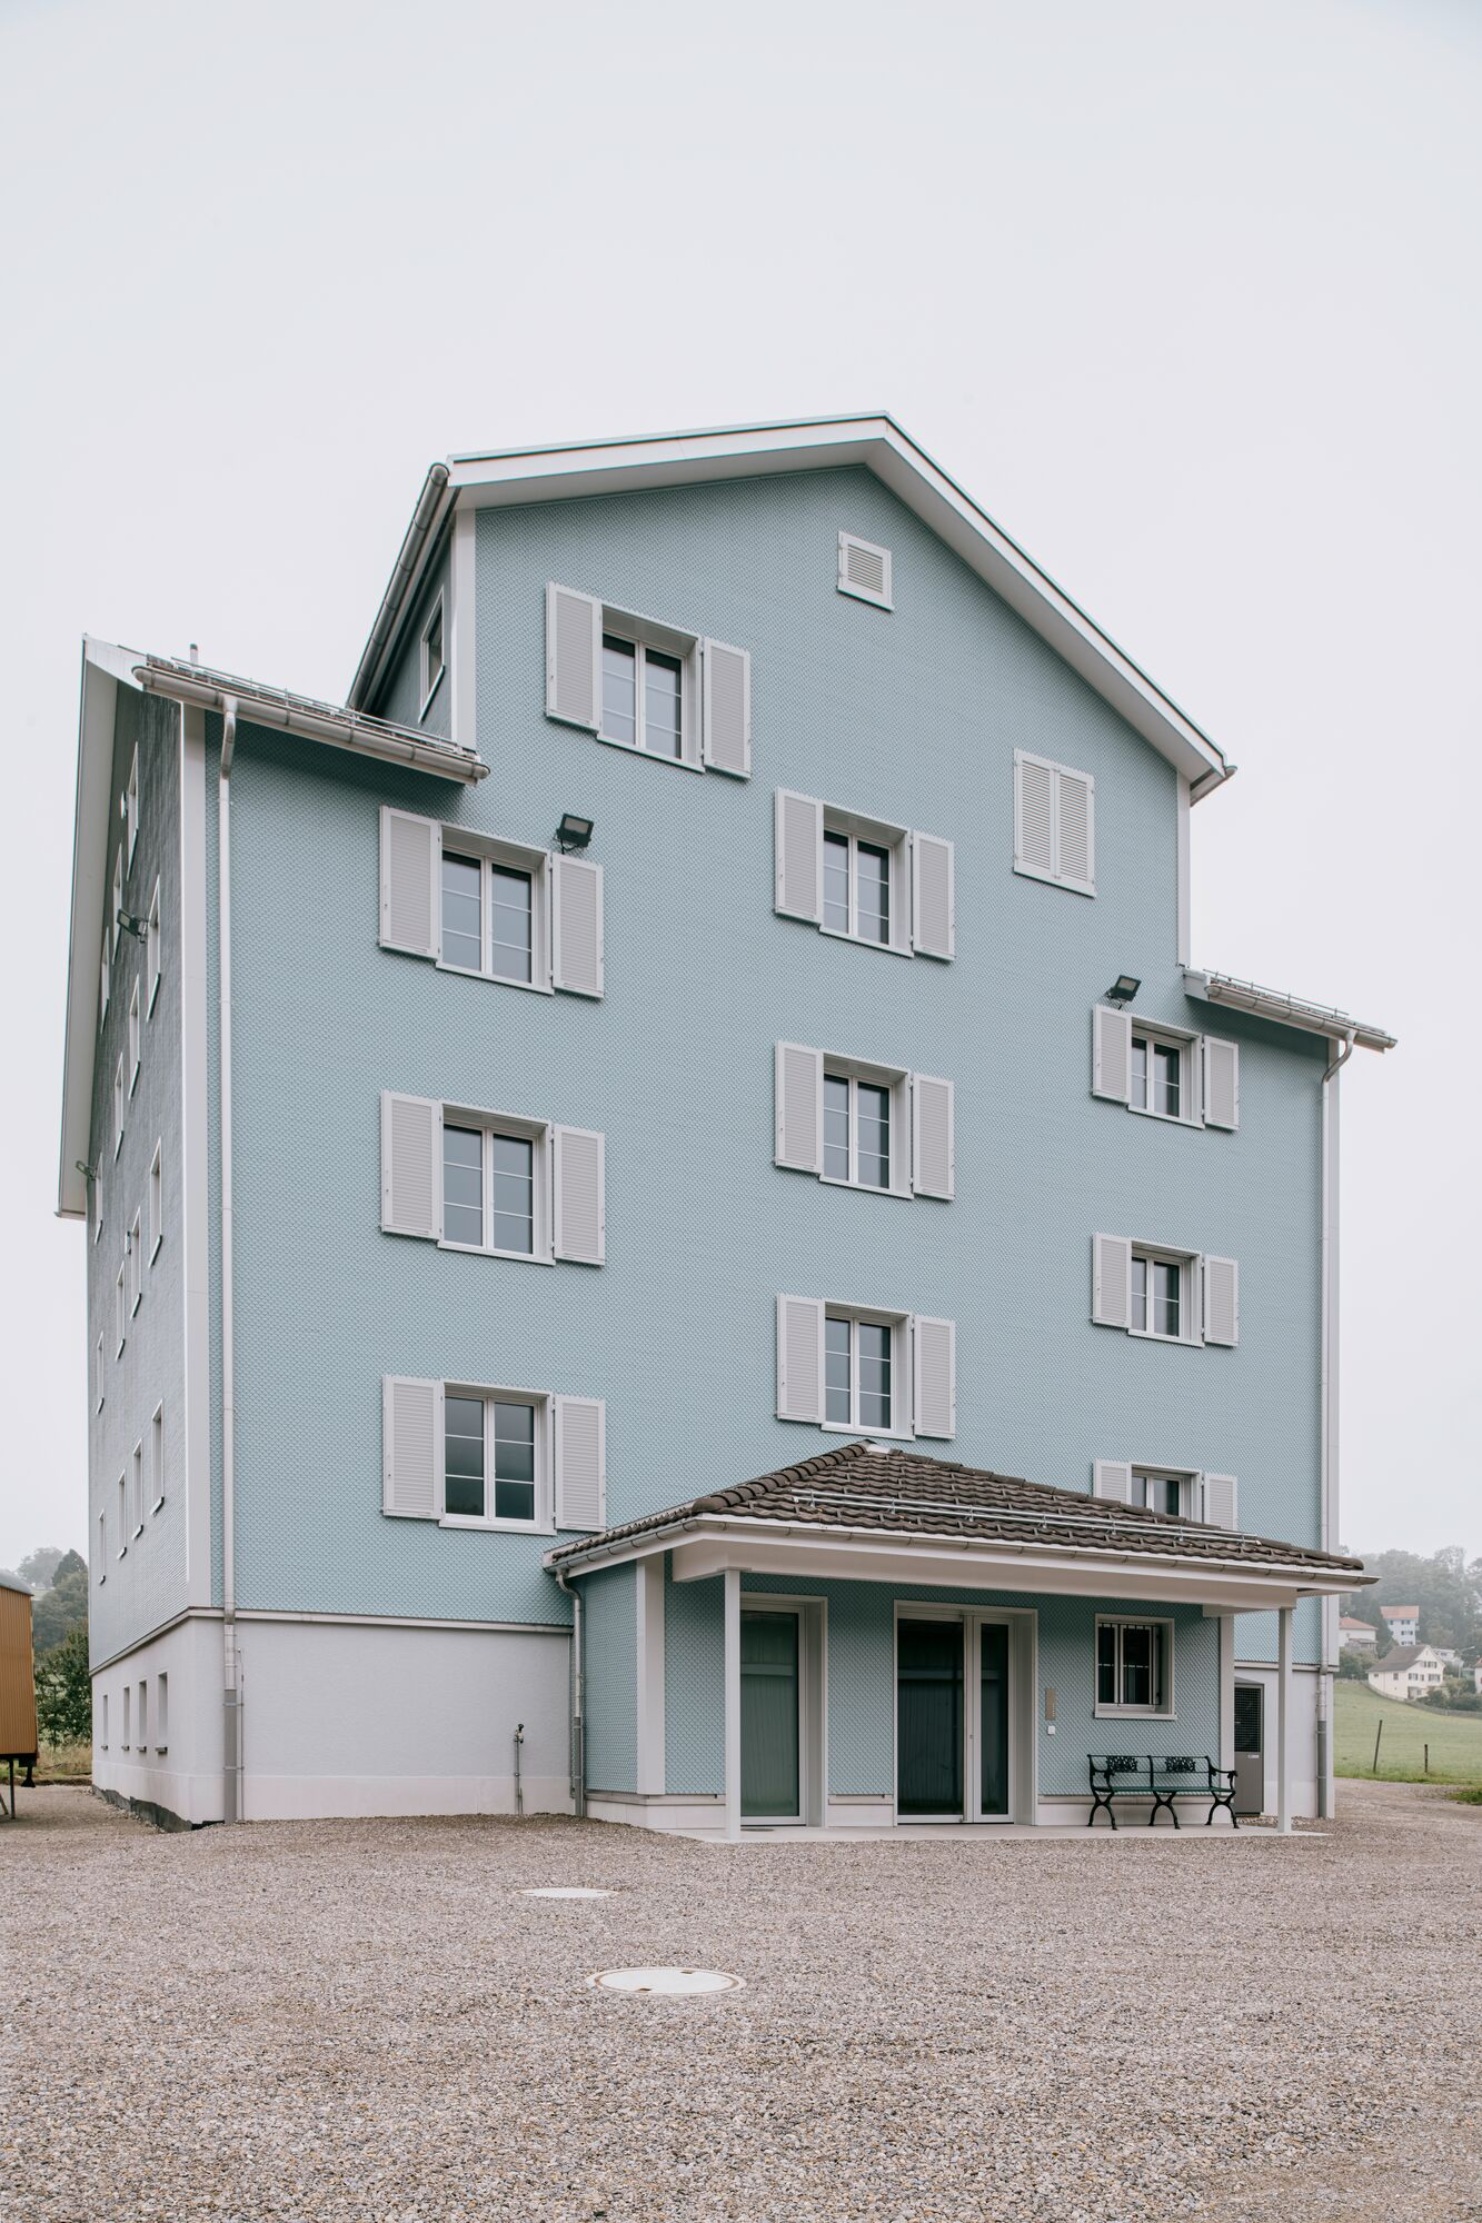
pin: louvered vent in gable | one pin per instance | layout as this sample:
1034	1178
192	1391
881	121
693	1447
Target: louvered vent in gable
864	570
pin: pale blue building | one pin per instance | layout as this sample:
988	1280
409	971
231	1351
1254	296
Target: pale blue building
578	1257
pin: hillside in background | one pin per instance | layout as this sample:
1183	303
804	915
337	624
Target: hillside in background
1446	1587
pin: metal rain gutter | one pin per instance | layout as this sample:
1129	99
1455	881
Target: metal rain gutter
348	729
1285	1010
403	571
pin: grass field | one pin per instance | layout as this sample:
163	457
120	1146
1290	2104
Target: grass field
1455	1740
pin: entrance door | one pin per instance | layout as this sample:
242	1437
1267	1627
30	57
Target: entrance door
769	1716
929	1724
993	1720
1250	1749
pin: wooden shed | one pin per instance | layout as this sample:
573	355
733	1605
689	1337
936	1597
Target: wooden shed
17	1682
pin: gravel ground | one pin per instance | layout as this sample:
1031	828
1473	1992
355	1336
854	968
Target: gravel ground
364	2020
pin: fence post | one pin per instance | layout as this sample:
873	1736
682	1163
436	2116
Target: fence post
1378	1733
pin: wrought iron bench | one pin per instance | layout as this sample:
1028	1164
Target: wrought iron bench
1164	1778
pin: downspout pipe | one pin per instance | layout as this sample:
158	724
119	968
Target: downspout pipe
1328	1395
578	1699
231	1790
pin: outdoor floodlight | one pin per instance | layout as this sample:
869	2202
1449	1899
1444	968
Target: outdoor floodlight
1123	989
128	924
573	832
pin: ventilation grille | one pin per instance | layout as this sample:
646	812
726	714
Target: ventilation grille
864	570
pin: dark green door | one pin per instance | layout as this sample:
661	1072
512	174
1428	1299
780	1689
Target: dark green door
929	1717
993	1715
769	1715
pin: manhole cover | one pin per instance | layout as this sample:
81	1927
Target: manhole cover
564	1891
673	1982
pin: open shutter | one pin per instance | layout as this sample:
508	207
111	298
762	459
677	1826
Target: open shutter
1112	1478
1221	1498
580	1214
1075	838
410	850
1221	1300
1221	1082
799	856
799	1358
933	1163
1111	1281
933	919
581	1463
576	926
573	657
411	1177
798	1092
726	712
935	1384
1034	814
411	1412
1111	1053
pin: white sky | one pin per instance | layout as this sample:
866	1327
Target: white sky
1185	294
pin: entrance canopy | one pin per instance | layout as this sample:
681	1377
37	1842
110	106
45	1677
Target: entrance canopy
867	1512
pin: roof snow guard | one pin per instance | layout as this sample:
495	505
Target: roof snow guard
868	1511
1285	1010
525	475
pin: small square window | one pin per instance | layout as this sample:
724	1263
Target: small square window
433	664
1134	1667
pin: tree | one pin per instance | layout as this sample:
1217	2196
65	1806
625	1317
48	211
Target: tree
64	1691
62	1608
39	1567
1446	1588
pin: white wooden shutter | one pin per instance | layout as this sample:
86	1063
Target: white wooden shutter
579	1216
1111	1053
411	1172
573	657
1221	1300
798	1094
935	1384
1111	1281
726	711
933	1155
1221	1500
576	926
1075	832
581	1462
933	907
410	1459
1221	1082
1034	814
799	839
864	570
410	851
1112	1478
799	1358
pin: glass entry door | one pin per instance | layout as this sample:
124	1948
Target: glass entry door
769	1716
929	1719
993	1720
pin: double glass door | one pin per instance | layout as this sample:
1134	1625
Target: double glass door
952	1719
770	1716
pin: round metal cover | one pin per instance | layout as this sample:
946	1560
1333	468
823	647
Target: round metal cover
669	1982
564	1891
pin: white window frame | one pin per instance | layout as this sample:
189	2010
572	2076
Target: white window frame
154	959
899	1324
898	1083
543	1404
105	979
1117	1711
157	1458
156	1201
1190	1079
535	1131
513	857
1190	1334
121	1309
642	634
1188	1480
881	601
131	807
119	1101
896	842
136	1485
429	681
136	1035
135	1255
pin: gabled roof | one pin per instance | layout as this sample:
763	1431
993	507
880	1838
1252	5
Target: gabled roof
1400	1613
1403	1656
864	1489
523	475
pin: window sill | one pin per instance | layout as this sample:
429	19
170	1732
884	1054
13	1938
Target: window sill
495	980
1170	1342
1168	1119
482	1250
650	756
1130	1713
870	1435
504	1528
862	1188
1053	880
886	949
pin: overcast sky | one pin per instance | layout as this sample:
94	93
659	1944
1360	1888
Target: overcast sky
1184	294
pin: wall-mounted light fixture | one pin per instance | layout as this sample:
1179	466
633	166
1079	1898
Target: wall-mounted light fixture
1122	989
128	924
89	1173
574	832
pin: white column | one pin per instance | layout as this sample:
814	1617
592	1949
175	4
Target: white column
649	1579
733	1701
1284	1722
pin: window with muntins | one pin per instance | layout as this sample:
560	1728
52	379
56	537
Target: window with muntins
856	887
644	685
1157	1076
1158	1306
858	1372
642	697
489	1200
856	1132
488	918
1134	1661
489	1459
432	665
1162	1493
863	880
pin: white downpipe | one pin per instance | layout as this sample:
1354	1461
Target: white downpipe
733	1702
578	1699
1328	1413
1284	1722
232	1688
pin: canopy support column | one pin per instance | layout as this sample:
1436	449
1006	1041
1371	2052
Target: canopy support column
733	1702
1284	1723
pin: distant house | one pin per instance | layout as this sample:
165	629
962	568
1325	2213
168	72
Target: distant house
1448	1659
1357	1636
1477	1679
1410	1671
1403	1623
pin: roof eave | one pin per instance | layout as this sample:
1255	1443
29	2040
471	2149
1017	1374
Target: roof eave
1283	1010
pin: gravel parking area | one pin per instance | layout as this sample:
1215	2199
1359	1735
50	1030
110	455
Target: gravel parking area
365	2020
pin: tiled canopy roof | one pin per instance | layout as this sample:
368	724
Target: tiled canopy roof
894	1492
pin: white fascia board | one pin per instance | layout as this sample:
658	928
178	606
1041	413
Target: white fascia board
876	441
105	666
276	709
1284	1010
